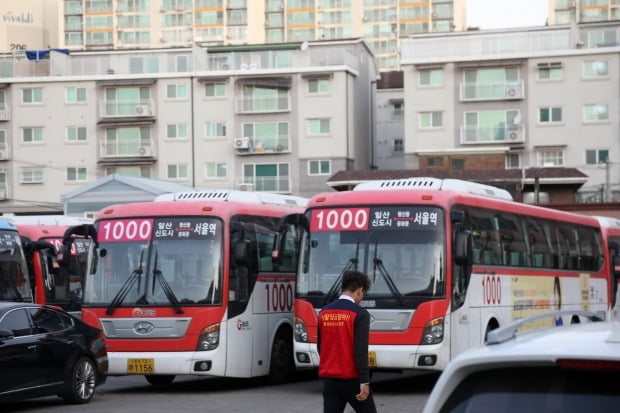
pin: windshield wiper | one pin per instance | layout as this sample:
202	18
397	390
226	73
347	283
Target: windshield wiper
351	264
378	263
172	299
129	282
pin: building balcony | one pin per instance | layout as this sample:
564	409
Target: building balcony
263	104
110	150
280	184
262	145
127	110
471	92
501	133
5	113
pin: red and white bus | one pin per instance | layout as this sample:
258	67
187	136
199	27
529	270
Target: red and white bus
53	282
449	261
186	285
14	279
611	235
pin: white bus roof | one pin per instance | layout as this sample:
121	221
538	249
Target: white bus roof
608	221
232	195
437	184
63	220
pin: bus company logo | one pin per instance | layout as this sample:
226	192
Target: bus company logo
368	304
243	325
138	312
143	327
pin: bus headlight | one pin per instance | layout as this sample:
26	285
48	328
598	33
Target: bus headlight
301	333
209	338
433	331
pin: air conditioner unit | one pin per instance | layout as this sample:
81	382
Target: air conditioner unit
241	143
144	150
253	66
511	92
143	110
244	66
225	66
513	135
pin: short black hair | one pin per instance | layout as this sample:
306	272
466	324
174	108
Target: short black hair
353	279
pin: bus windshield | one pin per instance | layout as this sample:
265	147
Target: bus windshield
14	281
157	261
401	248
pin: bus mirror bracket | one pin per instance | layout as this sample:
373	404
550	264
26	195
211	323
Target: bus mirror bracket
240	251
297	220
463	248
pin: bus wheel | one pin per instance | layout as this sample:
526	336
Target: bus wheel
162	380
281	364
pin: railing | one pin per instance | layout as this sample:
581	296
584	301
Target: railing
500	133
127	148
262	145
127	109
266	183
264	104
495	91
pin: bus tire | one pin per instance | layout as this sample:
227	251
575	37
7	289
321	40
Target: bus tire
160	380
281	364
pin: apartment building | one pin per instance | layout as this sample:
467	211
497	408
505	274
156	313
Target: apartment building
131	24
583	11
29	24
542	98
279	118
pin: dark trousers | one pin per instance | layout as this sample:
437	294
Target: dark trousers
338	392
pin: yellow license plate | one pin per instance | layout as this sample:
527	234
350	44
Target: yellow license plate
140	366
372	359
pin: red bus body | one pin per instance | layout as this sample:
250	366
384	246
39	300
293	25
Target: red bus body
426	304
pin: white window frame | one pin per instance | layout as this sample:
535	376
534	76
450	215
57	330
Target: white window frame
550	109
321	122
81	174
75	92
180	131
430	78
513	155
430	114
181	171
595	106
75	130
323	86
319	163
595	69
177	87
551	70
549	153
217	127
31	176
597	155
33	96
216	166
217	87
37	135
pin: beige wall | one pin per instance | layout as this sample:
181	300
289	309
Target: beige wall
28	24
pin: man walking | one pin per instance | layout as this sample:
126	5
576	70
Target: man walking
343	348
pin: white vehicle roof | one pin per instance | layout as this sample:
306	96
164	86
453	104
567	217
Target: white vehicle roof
598	341
64	220
234	195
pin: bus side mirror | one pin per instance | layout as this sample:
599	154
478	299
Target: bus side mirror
463	247
298	220
616	267
240	251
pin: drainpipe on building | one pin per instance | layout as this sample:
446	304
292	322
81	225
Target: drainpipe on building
193	135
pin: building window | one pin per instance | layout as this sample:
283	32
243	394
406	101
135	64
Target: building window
430	77
318	86
31	176
32	95
595	113
267	177
595	69
596	156
176	91
397	110
550	157
176	131
215	129
513	160
144	64
430	120
215	170
75	94
399	145
184	63
319	126
177	172
550	115
141	171
267	136
76	174
76	134
491	126
550	71
32	135
257	99
215	89
321	167
457	164
434	161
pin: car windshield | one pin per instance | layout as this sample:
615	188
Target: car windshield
14	281
402	249
544	389
167	261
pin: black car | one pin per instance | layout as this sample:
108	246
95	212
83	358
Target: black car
44	351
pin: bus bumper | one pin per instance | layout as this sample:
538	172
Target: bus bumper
306	356
205	363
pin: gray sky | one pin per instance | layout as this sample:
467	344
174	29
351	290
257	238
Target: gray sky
496	14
